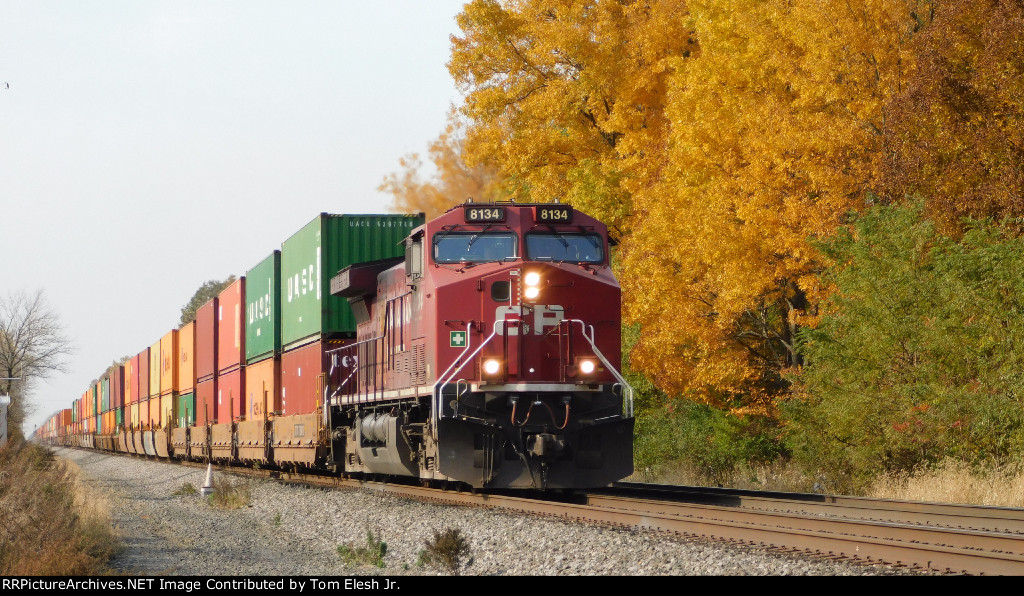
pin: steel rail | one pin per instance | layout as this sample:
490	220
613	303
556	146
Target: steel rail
855	540
952	515
950	537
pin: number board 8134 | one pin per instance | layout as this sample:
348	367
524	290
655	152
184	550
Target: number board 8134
552	214
484	214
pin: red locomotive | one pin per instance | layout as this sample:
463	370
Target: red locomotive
489	355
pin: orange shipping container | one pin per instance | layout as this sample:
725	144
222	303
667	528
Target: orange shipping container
186	358
231	327
206	400
169	363
131	384
142	375
166	410
262	388
230	396
206	342
154	370
154	412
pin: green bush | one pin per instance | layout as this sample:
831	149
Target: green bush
372	554
714	443
918	351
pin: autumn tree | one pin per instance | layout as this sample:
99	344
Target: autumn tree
722	139
777	130
206	292
32	347
452	181
566	98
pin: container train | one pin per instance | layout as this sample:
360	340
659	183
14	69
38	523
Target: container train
480	348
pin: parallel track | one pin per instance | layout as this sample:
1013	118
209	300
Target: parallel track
945	538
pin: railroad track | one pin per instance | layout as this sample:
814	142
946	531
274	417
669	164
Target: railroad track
945	538
929	536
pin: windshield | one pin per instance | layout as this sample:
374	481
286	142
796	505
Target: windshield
574	248
474	247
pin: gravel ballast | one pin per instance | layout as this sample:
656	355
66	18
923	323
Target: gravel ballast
293	530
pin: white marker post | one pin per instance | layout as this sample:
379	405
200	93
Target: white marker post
207	488
5	401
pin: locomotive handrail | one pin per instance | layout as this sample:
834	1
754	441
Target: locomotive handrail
446	378
627	406
355	369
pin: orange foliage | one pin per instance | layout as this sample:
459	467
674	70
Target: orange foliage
955	134
453	181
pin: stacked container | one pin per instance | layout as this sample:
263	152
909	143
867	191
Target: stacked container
312	320
185	412
206	363
117	395
263	338
230	352
315	254
155	411
131	392
106	408
168	376
143	387
103	387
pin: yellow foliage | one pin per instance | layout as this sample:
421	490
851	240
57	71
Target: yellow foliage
775	136
720	138
567	96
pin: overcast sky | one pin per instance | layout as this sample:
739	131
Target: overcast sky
147	147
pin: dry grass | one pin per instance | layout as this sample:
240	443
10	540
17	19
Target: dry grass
949	482
955	482
49	524
446	551
773	477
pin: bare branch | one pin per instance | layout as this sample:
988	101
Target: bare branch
32	347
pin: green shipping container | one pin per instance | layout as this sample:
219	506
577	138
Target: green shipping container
105	404
185	410
316	253
119	417
263	309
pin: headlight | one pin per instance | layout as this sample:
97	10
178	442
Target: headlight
531	293
587	366
532	278
492	366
